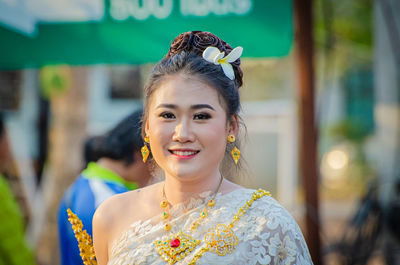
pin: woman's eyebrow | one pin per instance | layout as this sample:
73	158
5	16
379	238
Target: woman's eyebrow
202	106
194	107
168	106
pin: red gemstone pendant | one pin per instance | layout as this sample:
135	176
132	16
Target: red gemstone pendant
175	247
174	243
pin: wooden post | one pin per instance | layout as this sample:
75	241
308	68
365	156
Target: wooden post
307	126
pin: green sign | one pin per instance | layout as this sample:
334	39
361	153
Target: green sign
136	32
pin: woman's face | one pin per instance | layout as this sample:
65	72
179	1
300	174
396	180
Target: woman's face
187	127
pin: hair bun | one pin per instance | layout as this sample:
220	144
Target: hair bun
197	41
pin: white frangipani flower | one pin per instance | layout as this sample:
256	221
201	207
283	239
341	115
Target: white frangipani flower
215	56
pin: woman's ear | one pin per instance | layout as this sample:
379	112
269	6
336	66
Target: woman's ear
146	127
233	127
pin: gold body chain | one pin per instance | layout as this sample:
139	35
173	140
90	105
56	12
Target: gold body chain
219	239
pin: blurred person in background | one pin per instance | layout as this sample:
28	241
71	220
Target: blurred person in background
13	248
93	148
114	165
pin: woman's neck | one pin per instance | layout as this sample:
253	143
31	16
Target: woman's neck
180	191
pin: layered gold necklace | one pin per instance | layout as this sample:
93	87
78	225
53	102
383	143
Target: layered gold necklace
165	207
219	239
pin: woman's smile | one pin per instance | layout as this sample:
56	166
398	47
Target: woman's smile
183	153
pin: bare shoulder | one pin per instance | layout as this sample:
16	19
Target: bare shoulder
106	216
106	212
124	205
118	212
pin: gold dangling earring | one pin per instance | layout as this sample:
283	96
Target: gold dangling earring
235	151
145	150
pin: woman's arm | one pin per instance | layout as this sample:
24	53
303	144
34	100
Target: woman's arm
100	235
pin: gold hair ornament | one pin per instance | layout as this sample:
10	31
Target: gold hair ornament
85	244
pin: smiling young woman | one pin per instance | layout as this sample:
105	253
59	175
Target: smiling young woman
187	129
195	216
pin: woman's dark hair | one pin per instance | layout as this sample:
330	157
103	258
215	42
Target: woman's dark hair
120	143
185	56
93	148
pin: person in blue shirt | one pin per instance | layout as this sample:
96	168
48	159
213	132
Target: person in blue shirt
114	165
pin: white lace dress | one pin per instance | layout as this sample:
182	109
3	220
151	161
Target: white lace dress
267	234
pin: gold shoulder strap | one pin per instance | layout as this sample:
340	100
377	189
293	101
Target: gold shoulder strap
221	238
84	240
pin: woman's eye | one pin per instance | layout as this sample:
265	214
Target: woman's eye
167	115
202	116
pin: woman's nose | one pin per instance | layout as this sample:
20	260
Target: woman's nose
183	132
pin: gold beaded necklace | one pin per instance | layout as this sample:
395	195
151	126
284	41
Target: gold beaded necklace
219	239
165	206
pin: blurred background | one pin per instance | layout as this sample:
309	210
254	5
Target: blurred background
321	103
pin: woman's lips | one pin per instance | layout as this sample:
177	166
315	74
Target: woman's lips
183	154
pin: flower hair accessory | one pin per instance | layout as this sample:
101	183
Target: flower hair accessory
215	56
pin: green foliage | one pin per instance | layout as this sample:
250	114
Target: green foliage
351	130
343	21
54	80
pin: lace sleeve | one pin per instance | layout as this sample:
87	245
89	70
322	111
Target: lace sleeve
273	237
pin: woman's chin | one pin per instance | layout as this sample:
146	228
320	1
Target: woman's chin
186	174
